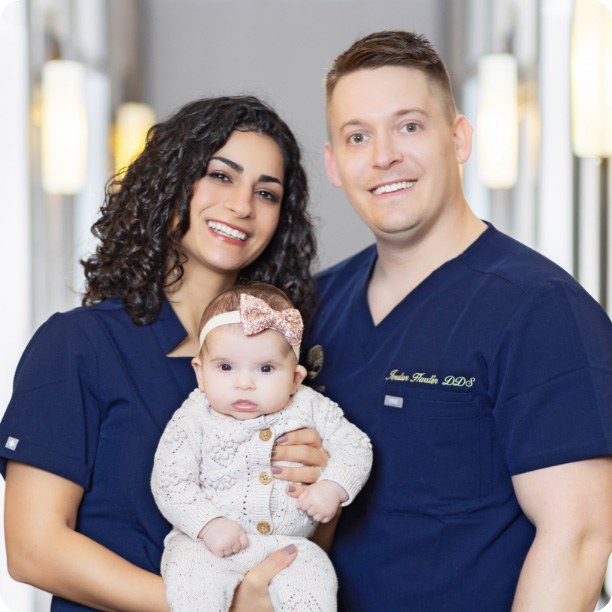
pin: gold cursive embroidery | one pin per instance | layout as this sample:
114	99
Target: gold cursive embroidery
419	377
431	379
458	381
394	375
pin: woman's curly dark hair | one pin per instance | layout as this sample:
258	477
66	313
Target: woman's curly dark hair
146	211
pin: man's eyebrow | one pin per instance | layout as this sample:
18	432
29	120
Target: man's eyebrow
264	178
397	115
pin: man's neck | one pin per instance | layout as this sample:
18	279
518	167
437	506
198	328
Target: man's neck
402	265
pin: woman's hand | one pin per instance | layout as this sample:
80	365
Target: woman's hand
300	446
252	593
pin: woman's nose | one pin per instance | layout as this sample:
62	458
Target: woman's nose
240	204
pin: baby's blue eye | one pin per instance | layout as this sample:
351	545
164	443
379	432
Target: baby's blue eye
266	369
225	367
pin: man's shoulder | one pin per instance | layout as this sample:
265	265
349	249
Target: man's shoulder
512	261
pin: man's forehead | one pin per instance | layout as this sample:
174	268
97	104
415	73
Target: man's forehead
380	90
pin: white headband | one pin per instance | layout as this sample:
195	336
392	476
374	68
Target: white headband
255	316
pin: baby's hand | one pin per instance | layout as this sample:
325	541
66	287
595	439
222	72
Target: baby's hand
321	500
223	536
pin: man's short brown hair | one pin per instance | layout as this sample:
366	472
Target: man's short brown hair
394	48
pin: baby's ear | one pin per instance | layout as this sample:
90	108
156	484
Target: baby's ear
298	376
196	364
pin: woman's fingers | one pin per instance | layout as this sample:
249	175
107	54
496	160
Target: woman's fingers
308	437
301	474
295	490
304	454
252	593
302	446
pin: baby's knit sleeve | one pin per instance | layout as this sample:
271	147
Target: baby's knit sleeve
175	480
349	448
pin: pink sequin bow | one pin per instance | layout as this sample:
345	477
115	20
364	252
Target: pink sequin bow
256	316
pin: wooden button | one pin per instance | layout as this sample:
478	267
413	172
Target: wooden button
265	478
265	434
263	527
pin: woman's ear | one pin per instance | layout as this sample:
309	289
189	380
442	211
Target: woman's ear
196	364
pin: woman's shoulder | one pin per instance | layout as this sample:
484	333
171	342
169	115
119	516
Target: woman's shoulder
80	323
87	315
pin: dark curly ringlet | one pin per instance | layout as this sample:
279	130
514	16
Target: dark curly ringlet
146	210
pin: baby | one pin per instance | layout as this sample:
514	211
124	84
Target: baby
212	476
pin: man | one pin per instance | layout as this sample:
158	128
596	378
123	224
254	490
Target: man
481	371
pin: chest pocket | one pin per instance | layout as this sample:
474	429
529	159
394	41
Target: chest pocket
431	443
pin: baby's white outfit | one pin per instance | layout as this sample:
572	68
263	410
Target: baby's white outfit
209	465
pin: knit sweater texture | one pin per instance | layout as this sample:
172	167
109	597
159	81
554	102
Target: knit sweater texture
209	465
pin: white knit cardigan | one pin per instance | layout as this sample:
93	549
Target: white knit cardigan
209	465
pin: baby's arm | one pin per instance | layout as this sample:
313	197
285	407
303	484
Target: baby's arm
223	537
321	500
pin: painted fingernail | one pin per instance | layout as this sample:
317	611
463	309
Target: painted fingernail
291	489
282	439
277	470
273	453
290	549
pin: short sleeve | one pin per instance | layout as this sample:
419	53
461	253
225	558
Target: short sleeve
553	380
52	420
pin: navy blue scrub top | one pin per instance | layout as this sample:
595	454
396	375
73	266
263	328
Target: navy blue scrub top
92	395
498	363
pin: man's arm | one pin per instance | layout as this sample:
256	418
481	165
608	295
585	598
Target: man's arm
571	508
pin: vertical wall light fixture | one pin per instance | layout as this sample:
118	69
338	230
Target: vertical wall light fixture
591	103
591	78
63	127
133	120
497	120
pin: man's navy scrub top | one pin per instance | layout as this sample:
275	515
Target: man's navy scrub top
498	363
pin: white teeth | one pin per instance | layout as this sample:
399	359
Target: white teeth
393	187
226	230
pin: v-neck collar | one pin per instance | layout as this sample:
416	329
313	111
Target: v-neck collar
360	302
169	329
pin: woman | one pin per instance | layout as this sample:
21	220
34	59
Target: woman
217	196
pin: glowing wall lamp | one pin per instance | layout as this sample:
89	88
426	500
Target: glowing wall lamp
591	78
497	120
63	127
132	123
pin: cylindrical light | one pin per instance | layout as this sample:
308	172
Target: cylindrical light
63	127
132	123
591	78
497	120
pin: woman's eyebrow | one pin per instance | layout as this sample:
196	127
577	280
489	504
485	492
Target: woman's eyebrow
264	178
229	162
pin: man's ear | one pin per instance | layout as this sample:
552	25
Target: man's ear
196	364
330	166
462	134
